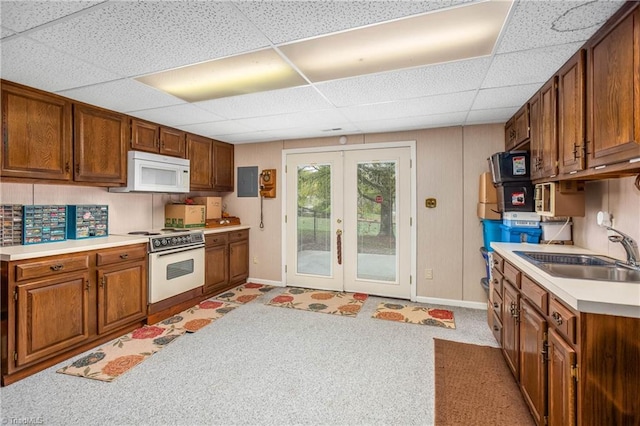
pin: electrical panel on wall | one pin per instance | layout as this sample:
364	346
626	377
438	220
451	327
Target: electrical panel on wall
268	183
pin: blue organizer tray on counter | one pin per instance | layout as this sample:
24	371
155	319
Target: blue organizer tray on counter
87	221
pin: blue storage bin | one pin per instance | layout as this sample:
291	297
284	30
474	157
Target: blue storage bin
491	232
512	234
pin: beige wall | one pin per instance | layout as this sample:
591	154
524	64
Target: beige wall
620	198
449	161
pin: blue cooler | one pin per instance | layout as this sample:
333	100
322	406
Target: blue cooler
512	234
491	232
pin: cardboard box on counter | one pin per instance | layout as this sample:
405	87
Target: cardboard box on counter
213	206
488	211
486	191
184	216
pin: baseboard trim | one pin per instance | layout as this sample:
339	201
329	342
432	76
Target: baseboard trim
451	302
265	282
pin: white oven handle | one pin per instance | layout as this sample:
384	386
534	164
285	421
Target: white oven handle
168	252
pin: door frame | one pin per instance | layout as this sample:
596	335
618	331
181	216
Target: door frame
411	144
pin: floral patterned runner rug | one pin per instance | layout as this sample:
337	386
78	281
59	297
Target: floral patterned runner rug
244	293
124	353
328	302
415	315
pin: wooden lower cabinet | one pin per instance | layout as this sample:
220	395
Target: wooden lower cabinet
226	260
57	306
573	368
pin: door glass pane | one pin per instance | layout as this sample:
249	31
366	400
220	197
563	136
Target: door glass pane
377	221
313	221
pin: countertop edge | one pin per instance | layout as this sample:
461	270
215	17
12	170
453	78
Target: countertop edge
590	296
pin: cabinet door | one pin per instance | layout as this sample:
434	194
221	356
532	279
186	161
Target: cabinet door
548	129
172	142
535	140
613	91
100	148
216	268
144	136
571	114
522	125
223	166
510	329
238	261
36	134
533	374
200	153
52	315
122	295
562	385
510	134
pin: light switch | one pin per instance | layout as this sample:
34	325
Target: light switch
430	203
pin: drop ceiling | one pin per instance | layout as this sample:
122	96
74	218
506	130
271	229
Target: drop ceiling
92	51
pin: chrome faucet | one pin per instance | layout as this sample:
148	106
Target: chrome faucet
630	246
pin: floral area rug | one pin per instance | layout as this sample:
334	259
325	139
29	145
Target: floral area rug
244	293
328	302
124	353
415	315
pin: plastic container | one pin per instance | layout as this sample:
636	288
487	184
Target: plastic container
521	223
87	221
520	235
509	166
515	197
554	231
485	256
44	224
491	232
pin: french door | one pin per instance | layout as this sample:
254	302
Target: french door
348	221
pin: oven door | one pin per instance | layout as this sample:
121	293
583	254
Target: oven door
175	271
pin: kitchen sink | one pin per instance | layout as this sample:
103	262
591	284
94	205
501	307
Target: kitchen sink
582	266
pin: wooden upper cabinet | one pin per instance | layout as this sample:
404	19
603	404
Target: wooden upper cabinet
521	124
613	89
151	137
223	166
509	135
548	166
100	145
200	155
36	134
571	114
535	142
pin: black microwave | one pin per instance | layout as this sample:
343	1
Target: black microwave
509	166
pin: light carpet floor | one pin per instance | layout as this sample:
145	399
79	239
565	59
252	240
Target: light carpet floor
259	365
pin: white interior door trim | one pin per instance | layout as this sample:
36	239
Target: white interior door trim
412	146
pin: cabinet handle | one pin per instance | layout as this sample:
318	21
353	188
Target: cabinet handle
215	240
124	255
515	313
496	305
496	328
88	285
102	282
57	267
496	263
78	168
66	167
557	318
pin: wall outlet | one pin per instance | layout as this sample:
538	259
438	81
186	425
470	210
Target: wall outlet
428	274
255	259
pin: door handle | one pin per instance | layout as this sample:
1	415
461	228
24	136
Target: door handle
339	243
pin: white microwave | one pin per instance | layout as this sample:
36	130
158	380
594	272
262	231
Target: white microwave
564	198
147	172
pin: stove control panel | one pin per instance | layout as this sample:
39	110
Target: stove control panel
172	241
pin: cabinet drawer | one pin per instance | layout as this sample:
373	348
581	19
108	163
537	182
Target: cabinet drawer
563	319
121	254
512	274
213	240
536	294
45	268
239	235
497	304
496	328
497	262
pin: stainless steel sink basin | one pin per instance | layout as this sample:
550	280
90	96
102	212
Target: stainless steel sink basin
582	266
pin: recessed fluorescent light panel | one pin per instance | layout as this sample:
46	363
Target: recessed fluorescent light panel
455	34
236	75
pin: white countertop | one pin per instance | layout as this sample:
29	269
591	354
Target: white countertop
600	297
73	246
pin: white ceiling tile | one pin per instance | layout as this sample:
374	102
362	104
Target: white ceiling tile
23	15
411	123
33	64
323	119
134	38
312	132
536	24
410	108
217	128
177	115
122	95
249	137
405	84
497	115
284	21
533	66
267	103
500	97
5	32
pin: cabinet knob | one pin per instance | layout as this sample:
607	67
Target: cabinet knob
557	318
124	255
496	305
57	267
